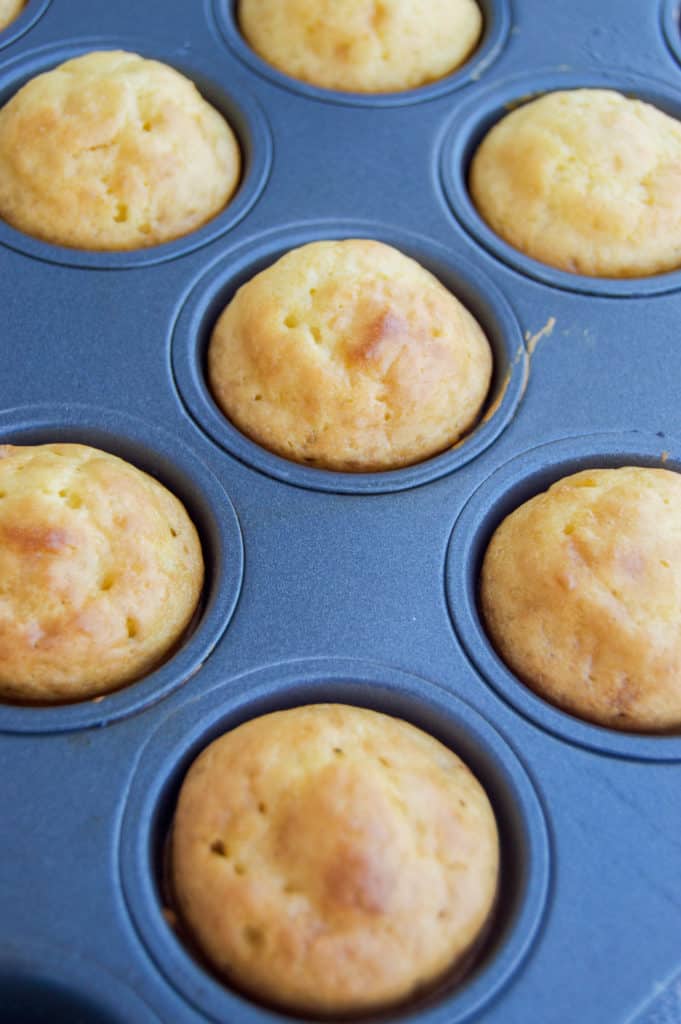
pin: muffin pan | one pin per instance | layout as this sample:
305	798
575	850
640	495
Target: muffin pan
358	589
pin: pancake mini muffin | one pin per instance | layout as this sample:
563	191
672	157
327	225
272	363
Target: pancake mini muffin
333	860
111	151
9	10
350	356
581	595
362	45
100	572
587	181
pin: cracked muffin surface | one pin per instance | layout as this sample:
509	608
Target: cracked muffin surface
111	151
581	595
101	571
585	180
330	859
362	45
348	355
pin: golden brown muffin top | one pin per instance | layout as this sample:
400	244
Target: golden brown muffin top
100	572
112	151
9	10
588	181
362	45
349	355
581	594
330	859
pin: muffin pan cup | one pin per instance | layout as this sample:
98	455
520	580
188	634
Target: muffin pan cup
240	109
496	26
194	325
27	18
525	861
475	118
34	977
509	487
159	454
326	586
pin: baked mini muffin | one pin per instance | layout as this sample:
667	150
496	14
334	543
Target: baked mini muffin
362	45
100	572
111	151
587	181
349	356
332	860
9	10
581	594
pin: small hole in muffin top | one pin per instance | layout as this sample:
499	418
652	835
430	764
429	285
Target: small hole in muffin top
3	494
385	762
568	529
132	627
107	581
257	398
316	334
254	936
291	320
219	848
262	807
121	214
147	126
144	229
173	531
240	869
338	751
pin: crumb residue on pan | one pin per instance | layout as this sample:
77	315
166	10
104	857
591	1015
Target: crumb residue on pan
545	332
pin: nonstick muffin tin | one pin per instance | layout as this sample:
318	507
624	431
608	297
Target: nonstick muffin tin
332	587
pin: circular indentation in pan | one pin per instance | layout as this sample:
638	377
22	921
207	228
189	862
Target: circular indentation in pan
514	483
241	110
209	296
671	26
33	10
474	119
181	471
182	735
40	984
497	24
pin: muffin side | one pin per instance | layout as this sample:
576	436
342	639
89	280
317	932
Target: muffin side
9	10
